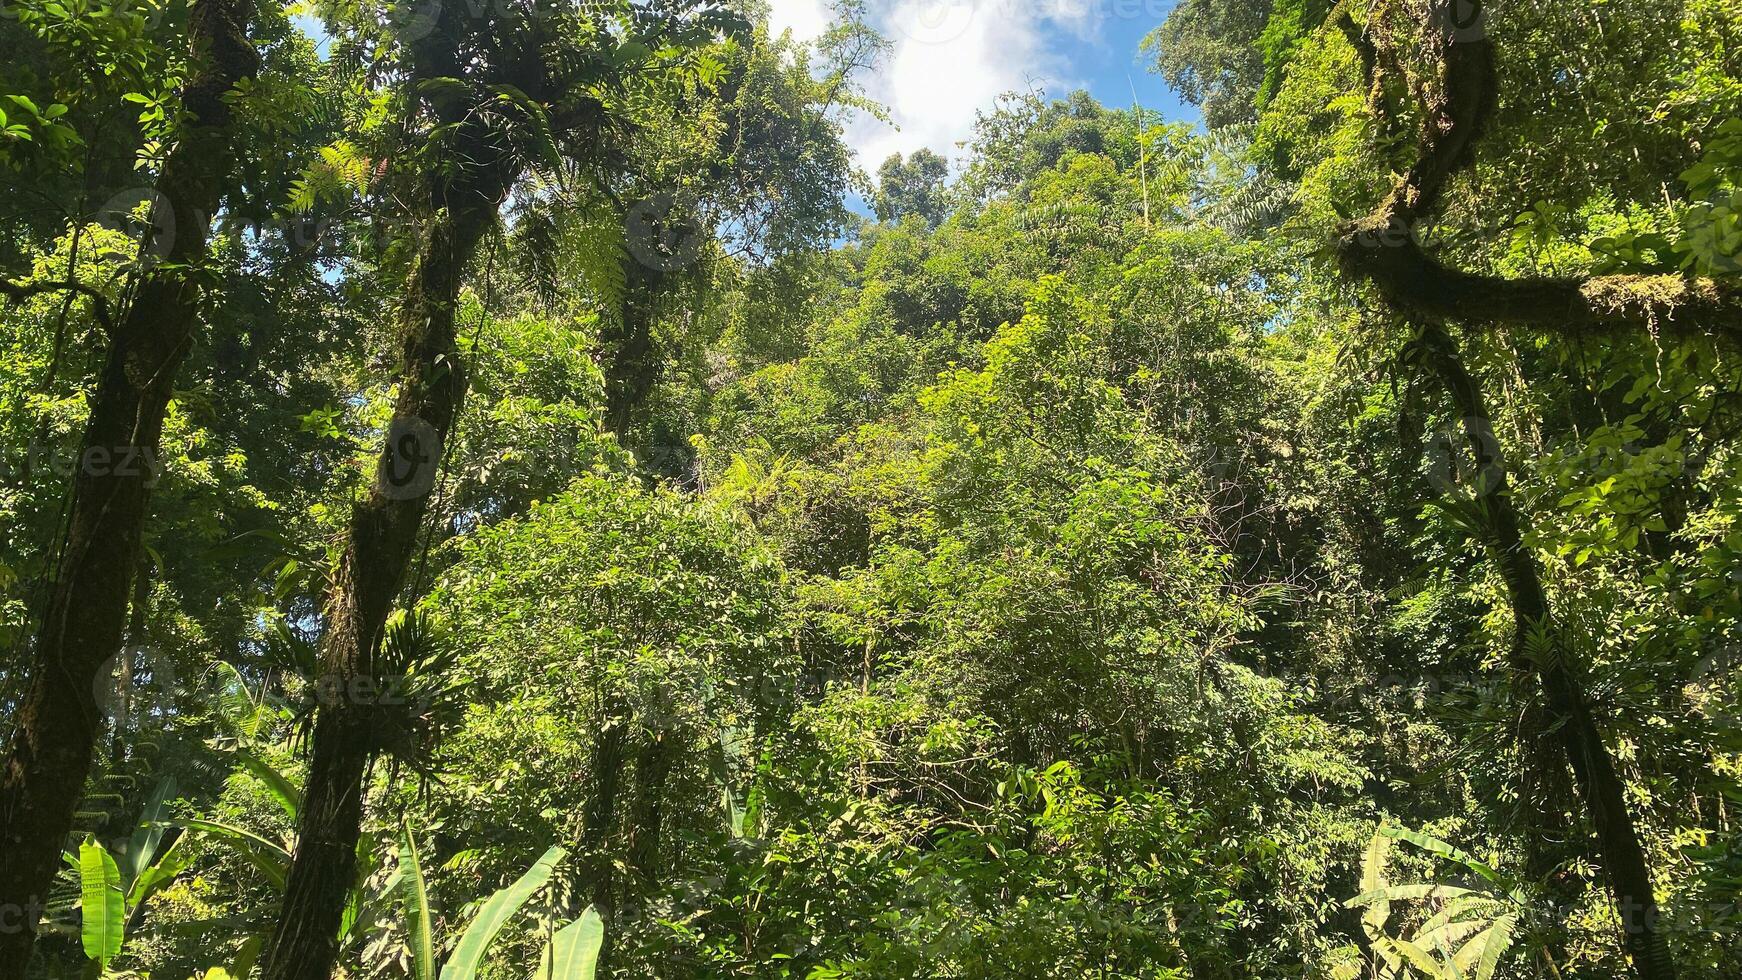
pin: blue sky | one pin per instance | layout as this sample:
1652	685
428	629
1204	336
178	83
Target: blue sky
1110	64
953	57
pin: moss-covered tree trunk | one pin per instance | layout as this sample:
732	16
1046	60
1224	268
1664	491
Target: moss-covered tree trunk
382	539
58	722
1537	648
634	364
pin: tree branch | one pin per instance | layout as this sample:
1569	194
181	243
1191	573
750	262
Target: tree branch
1383	248
18	292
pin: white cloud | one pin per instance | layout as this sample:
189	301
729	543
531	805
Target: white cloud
951	58
807	19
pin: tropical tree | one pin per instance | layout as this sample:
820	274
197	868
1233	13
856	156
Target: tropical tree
83	619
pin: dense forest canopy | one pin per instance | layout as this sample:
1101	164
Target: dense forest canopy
507	490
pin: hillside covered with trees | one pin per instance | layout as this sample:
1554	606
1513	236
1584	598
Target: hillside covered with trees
503	490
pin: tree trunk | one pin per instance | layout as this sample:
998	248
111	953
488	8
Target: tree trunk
599	819
129	652
58	721
635	364
647	824
383	535
1537	647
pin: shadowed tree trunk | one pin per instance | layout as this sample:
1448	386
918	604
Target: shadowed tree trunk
647	824
383	535
124	686
1550	814
1382	248
58	721
1538	648
635	363
599	819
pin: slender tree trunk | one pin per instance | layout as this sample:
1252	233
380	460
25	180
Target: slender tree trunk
647	824
58	722
599	821
599	818
635	363
1545	794
383	535
129	652
1538	647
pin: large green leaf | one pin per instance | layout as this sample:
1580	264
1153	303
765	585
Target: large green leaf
1492	945
1408	893
1419	958
1474	909
289	798
1433	845
1448	935
272	859
415	894
1372	880
142	848
469	954
102	910
173	861
232	702
243	965
574	951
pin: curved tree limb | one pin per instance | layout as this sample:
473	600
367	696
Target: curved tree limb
1415	282
1383	247
18	291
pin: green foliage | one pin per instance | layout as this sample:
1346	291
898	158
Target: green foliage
1060	576
102	908
474	942
415	896
1471	928
574	950
914	186
1208	50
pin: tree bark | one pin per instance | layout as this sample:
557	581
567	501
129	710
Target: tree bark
599	819
58	722
1385	253
647	824
1384	247
1537	647
383	535
118	739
